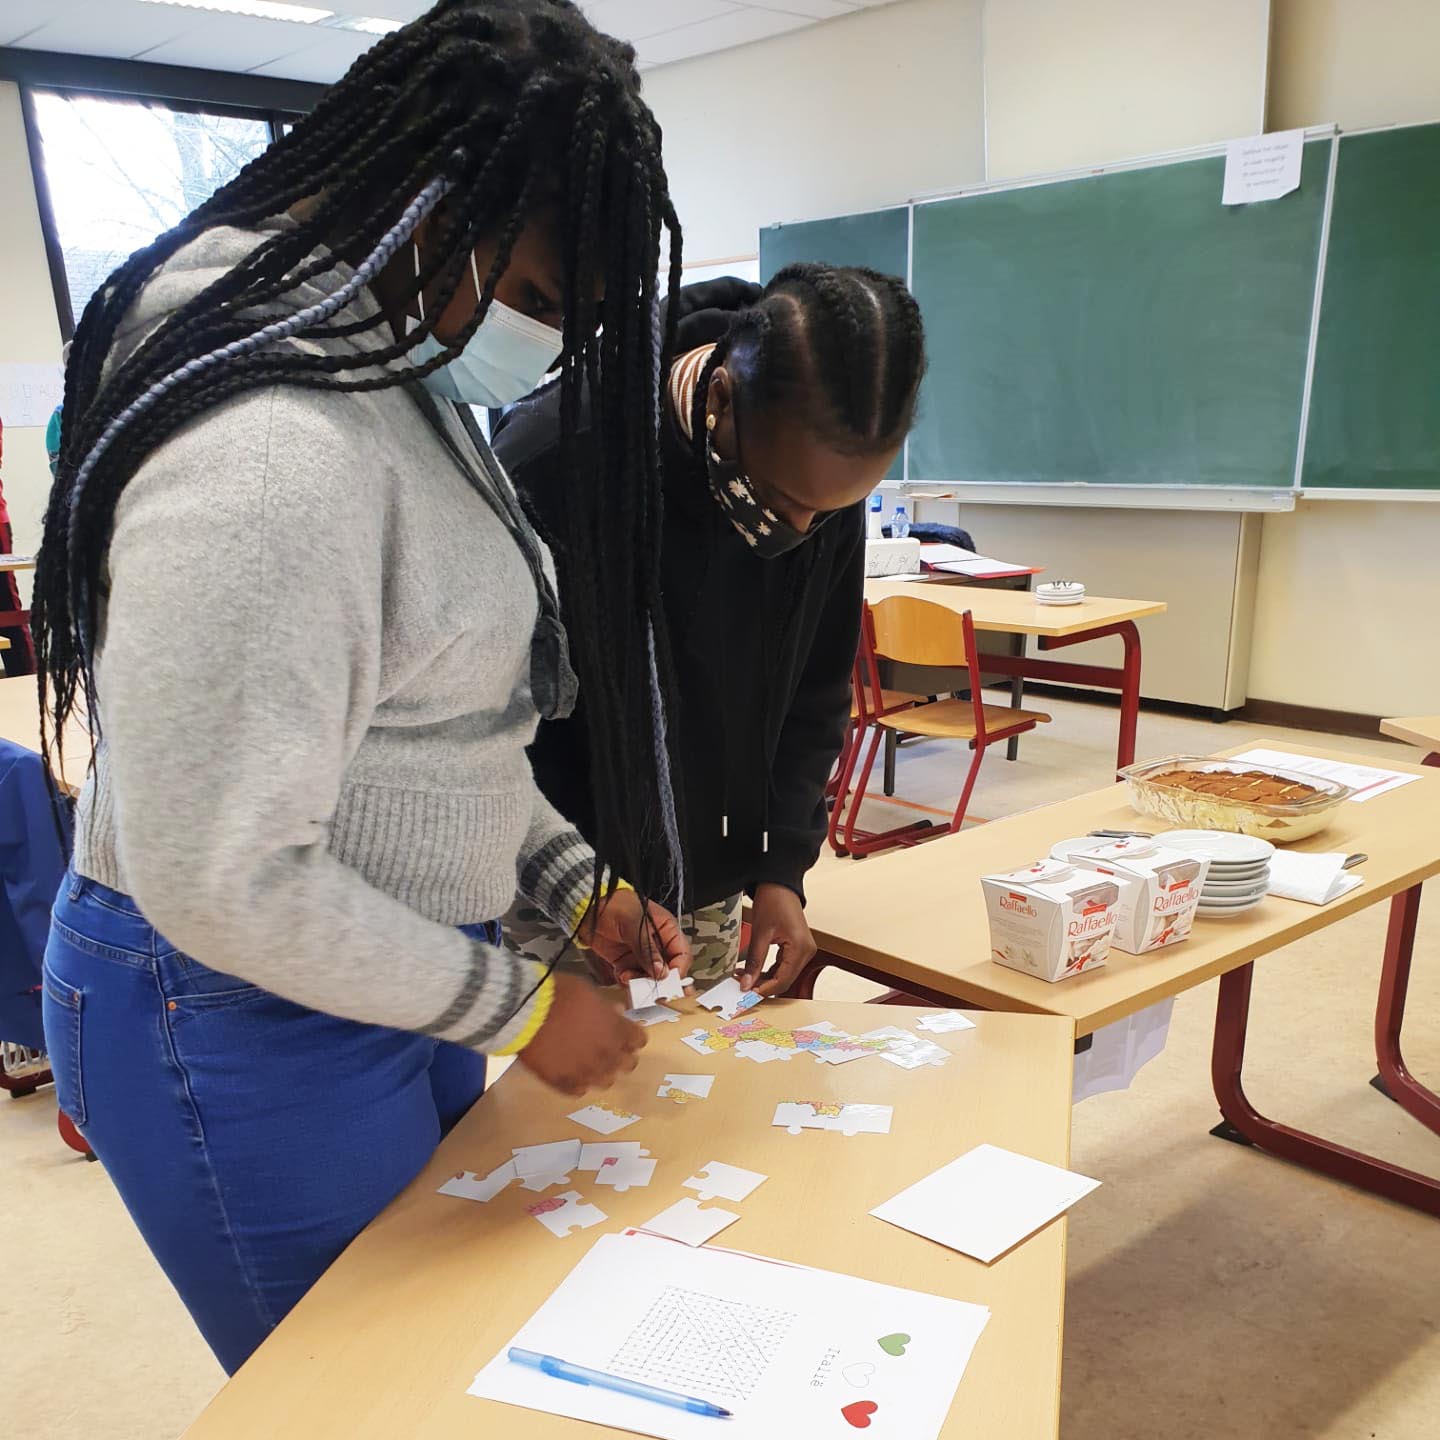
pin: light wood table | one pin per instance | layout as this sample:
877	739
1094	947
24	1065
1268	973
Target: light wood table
915	919
1018	612
20	724
1422	731
389	1339
16	562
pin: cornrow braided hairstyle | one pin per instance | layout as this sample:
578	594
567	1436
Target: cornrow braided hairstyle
478	114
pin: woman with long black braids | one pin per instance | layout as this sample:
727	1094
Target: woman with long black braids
293	590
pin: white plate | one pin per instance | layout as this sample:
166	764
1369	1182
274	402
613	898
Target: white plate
1229	907
1041	600
1214	891
1219	845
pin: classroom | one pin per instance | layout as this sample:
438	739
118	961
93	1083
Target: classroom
715	718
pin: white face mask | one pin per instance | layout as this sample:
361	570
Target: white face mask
502	362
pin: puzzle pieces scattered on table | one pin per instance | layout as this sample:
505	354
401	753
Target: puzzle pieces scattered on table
625	1173
603	1119
597	1152
798	1115
686	1222
467	1185
644	991
718	1181
541	1166
728	1000
684	1088
562	1214
652	1014
907	1051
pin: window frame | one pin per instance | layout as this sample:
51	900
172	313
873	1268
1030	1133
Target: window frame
178	88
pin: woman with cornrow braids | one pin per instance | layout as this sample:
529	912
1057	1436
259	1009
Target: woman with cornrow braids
274	971
784	409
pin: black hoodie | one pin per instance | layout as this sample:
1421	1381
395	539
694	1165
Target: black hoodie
763	651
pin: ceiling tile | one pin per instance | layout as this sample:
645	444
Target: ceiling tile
814	9
381	9
637	19
104	27
738	28
326	56
232	42
19	17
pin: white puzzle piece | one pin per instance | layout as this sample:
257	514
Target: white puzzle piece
905	1050
686	1222
644	991
652	1014
556	1160
625	1174
728	1000
595	1154
699	1041
762	1052
467	1185
945	1022
718	1181
603	1119
562	1214
798	1115
681	1088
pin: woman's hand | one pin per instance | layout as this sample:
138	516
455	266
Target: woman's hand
633	941
776	918
585	1042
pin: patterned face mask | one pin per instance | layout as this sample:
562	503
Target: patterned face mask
762	529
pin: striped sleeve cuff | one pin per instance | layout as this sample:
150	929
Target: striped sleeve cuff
497	1005
557	877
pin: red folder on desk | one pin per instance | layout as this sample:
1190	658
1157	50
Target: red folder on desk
956	560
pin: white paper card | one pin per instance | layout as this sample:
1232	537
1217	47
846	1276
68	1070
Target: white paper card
718	1181
652	1014
986	1201
29	393
944	1023
563	1215
467	1185
645	992
1367	781
798	1115
557	1158
595	1154
1313	879
625	1174
808	1354
1119	1051
603	1119
679	1087
728	1000
686	1222
1262	167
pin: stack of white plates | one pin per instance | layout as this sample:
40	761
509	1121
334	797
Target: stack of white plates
1060	592
1239	875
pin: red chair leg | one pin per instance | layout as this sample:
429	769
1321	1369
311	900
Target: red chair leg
71	1136
959	819
867	843
842	792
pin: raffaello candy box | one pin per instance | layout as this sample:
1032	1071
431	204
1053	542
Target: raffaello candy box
1159	890
1051	919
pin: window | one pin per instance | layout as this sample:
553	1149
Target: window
121	172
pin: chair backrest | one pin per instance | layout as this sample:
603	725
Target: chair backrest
920	632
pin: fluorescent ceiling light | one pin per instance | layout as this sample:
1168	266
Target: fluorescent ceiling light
366	25
261	9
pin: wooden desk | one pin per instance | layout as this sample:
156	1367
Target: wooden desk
936	943
16	562
1422	731
20	724
1016	612
389	1339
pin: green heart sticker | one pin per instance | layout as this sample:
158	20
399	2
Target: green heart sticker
893	1344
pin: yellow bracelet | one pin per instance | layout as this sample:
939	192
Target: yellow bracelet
577	918
544	999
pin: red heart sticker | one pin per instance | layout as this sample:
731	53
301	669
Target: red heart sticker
859	1412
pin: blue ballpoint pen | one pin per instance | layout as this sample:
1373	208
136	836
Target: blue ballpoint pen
580	1375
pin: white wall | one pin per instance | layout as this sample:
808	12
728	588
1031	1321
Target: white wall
1069	84
29	330
851	115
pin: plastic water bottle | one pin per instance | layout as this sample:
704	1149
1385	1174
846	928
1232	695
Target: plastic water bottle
899	524
875	520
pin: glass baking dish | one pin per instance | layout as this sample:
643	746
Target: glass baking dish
1279	819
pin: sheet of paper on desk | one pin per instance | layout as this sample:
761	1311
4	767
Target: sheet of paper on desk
986	1201
808	1354
1367	781
957	560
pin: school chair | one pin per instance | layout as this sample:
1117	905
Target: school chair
917	632
868	702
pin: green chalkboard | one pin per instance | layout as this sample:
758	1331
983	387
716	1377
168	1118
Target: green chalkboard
879	239
1122	328
1375	400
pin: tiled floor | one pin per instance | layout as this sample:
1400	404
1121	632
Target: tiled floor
1214	1294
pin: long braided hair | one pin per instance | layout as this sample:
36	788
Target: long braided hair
498	108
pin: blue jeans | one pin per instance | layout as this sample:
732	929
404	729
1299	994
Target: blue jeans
250	1139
